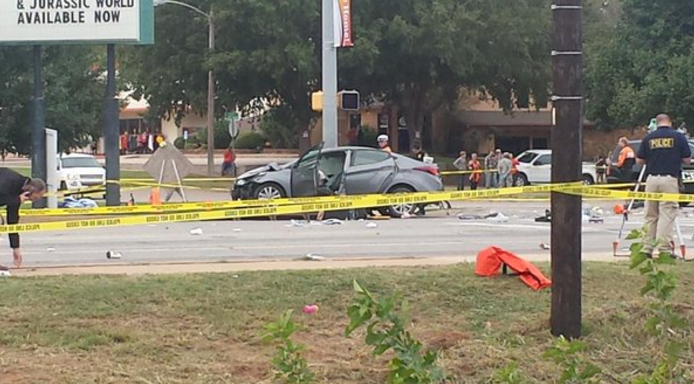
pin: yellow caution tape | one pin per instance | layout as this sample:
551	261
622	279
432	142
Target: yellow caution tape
271	207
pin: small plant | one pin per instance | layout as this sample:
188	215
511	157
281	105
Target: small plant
567	354
290	366
510	374
665	324
385	330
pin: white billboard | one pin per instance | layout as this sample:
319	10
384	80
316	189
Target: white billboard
76	21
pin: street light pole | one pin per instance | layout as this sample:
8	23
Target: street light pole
210	102
210	80
329	75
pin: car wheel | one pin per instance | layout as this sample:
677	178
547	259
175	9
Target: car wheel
587	180
396	211
522	180
269	191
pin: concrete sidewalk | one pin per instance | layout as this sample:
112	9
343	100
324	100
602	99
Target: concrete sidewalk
275	265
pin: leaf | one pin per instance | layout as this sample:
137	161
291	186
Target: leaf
634	235
637	258
589	372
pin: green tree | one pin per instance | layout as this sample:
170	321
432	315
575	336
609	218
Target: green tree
74	94
419	54
642	65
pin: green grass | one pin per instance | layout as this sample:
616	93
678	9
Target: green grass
205	328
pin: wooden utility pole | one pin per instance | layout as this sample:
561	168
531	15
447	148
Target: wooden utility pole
566	167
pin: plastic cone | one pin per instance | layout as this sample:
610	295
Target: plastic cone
615	245
155	196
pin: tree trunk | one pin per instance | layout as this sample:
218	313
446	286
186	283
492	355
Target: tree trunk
415	109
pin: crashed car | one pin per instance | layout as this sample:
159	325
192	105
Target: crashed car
349	170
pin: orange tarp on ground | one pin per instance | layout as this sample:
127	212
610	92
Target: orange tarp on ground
491	260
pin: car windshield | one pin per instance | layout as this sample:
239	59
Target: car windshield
527	157
80	162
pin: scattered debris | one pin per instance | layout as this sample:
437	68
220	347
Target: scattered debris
371	225
5	273
544	246
312	257
332	222
50	249
497	217
310	309
236	230
235	276
469	217
596	220
405	216
296	223
547	218
113	255
196	231
71	202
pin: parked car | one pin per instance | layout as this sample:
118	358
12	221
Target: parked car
535	167
78	171
616	176
355	170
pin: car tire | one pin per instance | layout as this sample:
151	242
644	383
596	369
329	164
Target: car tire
269	191
587	179
396	211
521	180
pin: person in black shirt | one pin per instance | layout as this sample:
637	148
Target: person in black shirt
663	152
15	189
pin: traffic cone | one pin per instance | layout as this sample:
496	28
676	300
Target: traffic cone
155	197
619	209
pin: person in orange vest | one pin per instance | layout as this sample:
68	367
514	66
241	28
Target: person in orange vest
476	174
626	159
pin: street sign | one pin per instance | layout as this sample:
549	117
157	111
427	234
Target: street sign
46	22
231	116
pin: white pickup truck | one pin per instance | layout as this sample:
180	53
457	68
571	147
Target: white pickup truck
535	167
78	171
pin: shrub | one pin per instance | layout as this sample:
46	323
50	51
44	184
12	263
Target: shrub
179	143
250	140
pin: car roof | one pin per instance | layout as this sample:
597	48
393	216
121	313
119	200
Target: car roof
76	155
540	151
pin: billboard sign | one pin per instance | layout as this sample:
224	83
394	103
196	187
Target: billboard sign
56	22
342	12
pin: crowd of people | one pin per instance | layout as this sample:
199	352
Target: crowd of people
499	170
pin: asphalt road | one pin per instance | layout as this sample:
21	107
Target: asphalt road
437	235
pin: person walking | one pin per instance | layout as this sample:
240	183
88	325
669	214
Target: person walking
229	162
600	168
504	167
15	189
476	169
461	165
662	152
491	162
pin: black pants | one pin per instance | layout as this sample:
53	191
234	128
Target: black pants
473	185
461	183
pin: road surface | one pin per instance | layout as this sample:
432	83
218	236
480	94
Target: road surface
437	235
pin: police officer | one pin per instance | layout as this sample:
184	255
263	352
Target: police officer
663	152
15	189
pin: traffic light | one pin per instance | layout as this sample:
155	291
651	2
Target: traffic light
349	100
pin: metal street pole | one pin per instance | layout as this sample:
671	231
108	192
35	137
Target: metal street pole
566	167
38	136
210	102
329	76
111	130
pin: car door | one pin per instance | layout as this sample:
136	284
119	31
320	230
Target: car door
369	171
304	178
542	169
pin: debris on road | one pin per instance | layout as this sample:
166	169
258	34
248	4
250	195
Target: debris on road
5	273
312	257
296	223
196	231
332	222
497	217
371	225
50	249
113	255
466	217
544	246
547	218
236	230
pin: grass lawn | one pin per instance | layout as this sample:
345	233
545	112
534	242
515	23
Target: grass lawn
205	328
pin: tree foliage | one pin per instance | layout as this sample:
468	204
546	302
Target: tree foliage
74	94
642	65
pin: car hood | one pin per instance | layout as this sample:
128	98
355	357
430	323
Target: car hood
85	170
272	167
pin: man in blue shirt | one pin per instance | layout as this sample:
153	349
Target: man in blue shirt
663	152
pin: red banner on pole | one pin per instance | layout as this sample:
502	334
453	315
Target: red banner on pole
343	23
